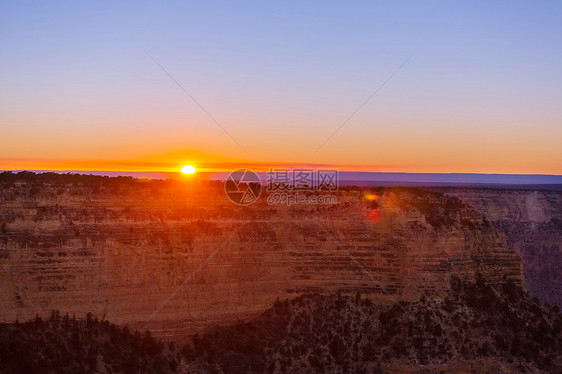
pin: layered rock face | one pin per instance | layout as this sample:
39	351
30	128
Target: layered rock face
177	257
532	223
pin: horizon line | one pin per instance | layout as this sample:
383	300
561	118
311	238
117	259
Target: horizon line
281	166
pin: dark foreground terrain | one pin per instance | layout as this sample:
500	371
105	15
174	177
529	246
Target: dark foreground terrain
477	329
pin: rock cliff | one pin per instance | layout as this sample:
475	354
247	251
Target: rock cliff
177	257
532	223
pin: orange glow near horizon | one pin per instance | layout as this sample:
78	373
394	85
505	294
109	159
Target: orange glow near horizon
392	150
412	159
172	165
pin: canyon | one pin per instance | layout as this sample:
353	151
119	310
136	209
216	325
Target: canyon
177	257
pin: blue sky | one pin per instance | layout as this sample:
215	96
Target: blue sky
484	78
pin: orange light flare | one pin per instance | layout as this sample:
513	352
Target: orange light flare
373	211
374	215
371	197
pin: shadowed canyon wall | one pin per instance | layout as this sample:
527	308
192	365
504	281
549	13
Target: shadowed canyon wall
532	223
177	257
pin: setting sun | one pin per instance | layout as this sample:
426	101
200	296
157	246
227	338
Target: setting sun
188	169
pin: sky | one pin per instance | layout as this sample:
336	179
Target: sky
463	87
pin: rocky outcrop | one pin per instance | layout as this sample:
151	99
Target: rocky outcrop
532	223
177	257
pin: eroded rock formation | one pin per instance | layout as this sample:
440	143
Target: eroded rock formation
532	223
177	257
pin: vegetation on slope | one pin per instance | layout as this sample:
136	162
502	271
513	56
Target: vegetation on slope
313	333
344	334
66	345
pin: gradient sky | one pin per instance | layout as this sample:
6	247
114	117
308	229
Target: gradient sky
482	92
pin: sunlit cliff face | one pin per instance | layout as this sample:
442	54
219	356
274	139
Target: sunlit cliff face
126	244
